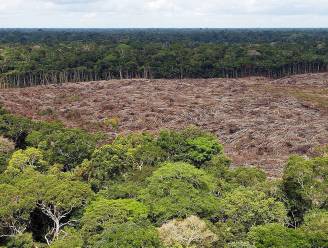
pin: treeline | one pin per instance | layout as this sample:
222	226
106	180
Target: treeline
162	35
124	54
60	188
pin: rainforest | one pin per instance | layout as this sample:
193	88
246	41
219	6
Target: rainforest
164	138
43	56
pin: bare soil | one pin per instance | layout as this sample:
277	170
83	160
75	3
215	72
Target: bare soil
260	121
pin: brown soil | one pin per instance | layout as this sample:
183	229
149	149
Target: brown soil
260	121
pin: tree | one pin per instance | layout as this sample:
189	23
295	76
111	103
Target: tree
246	177
15	209
240	244
189	145
126	154
108	162
102	213
278	236
68	147
315	228
71	238
6	149
178	190
218	166
190	232
129	235
142	149
57	197
305	185
31	157
15	128
243	208
23	240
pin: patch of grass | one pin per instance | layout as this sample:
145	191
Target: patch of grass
67	98
73	98
113	122
321	150
317	98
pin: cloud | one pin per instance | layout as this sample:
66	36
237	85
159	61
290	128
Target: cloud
163	13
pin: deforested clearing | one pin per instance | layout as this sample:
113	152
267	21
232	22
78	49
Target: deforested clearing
260	121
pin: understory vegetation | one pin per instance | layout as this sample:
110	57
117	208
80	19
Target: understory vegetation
34	57
63	187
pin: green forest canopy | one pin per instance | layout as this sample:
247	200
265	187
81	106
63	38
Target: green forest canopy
63	187
42	56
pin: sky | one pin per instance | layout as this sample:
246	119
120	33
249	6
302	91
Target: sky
163	13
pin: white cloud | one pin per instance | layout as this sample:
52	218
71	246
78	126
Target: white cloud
163	13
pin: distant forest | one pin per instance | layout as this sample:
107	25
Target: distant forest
43	56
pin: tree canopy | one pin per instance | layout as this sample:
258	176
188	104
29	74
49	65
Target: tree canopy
33	57
60	188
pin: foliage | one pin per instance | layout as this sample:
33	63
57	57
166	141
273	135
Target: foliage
69	147
243	208
128	186
315	228
246	177
31	57
101	214
6	149
190	145
128	153
108	162
129	235
15	128
190	232
142	149
218	166
21	241
30	157
70	238
178	181
276	235
15	208
57	197
178	190
305	185
113	122
240	244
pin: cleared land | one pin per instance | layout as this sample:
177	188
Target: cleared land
260	121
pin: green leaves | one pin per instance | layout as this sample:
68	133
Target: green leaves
109	161
189	145
129	235
31	157
45	190
68	147
278	236
102	214
15	208
243	208
62	192
305	183
103	210
177	190
201	149
315	228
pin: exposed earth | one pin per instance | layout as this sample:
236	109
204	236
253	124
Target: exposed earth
260	121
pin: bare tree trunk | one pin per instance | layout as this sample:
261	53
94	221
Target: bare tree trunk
56	216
